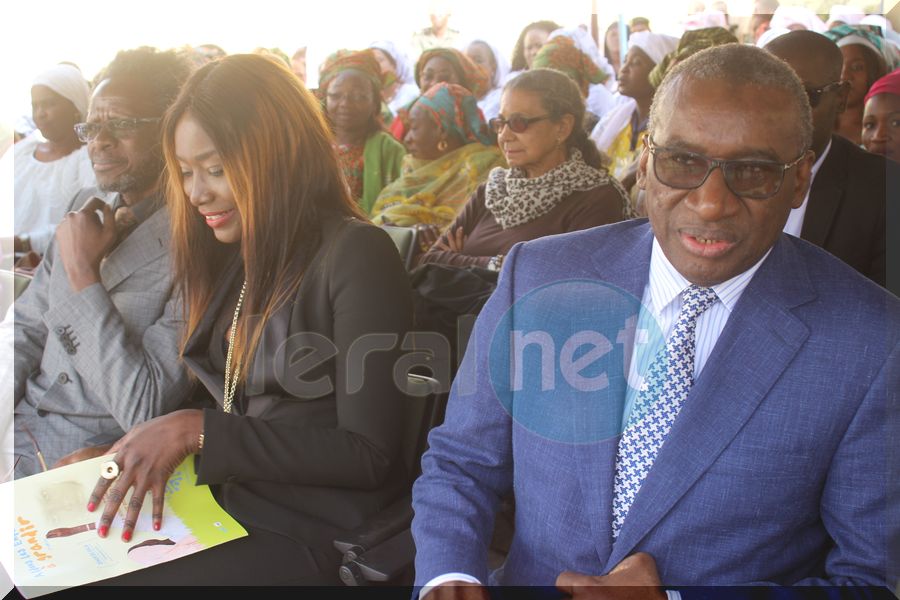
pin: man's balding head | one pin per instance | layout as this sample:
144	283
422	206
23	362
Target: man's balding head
746	69
817	61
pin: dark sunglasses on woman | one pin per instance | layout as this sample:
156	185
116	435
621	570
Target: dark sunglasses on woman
517	123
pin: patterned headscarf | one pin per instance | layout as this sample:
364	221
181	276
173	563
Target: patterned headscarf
691	42
362	61
455	109
844	35
561	54
474	78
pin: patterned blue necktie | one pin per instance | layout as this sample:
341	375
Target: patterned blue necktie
665	387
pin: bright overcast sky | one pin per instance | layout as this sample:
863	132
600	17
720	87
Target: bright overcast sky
38	34
89	32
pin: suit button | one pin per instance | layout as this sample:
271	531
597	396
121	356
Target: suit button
42	413
70	348
60	330
63	378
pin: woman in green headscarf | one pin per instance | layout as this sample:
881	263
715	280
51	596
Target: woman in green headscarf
867	57
350	85
450	152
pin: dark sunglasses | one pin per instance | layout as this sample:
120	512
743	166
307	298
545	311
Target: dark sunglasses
118	128
815	94
683	170
517	123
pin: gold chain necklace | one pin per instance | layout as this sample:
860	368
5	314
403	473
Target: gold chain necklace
231	379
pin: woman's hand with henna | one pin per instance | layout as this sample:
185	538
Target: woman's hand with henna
147	456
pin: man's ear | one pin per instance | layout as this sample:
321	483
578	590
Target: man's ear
842	94
641	177
803	179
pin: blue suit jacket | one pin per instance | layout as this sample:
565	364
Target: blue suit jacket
775	471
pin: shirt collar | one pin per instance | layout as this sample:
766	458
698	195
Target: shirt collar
666	283
817	164
143	209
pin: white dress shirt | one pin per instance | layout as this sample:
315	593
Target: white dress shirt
794	223
661	302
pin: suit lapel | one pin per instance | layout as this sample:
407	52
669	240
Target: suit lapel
758	342
825	195
146	243
627	266
196	350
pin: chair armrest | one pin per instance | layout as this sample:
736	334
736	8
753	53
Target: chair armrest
384	563
376	530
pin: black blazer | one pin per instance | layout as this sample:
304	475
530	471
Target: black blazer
846	210
312	446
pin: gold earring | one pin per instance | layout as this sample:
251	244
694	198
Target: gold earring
442	145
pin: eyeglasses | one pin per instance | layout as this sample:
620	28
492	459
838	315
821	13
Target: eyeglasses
815	94
517	123
118	128
752	179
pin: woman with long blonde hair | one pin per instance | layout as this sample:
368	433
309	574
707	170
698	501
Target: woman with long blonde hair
282	285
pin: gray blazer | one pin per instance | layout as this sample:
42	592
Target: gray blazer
89	366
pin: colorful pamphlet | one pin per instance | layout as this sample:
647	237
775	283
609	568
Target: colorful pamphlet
54	543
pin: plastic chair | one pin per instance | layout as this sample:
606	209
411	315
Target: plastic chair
382	549
405	240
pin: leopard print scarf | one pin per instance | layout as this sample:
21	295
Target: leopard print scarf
515	200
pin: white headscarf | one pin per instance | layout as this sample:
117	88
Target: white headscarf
785	16
769	35
68	82
846	14
500	59
401	61
707	18
654	45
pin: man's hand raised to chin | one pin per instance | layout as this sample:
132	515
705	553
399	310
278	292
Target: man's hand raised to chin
635	578
84	240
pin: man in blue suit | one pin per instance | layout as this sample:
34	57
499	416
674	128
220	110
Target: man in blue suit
697	400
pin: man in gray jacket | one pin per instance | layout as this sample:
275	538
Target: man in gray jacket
97	331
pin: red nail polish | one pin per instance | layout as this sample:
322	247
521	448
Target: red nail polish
126	535
103	530
91	506
156	525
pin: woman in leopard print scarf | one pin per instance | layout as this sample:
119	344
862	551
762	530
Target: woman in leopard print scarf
555	183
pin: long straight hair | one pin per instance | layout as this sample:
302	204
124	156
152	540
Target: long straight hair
278	160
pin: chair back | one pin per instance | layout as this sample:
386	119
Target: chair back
405	240
12	284
423	411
